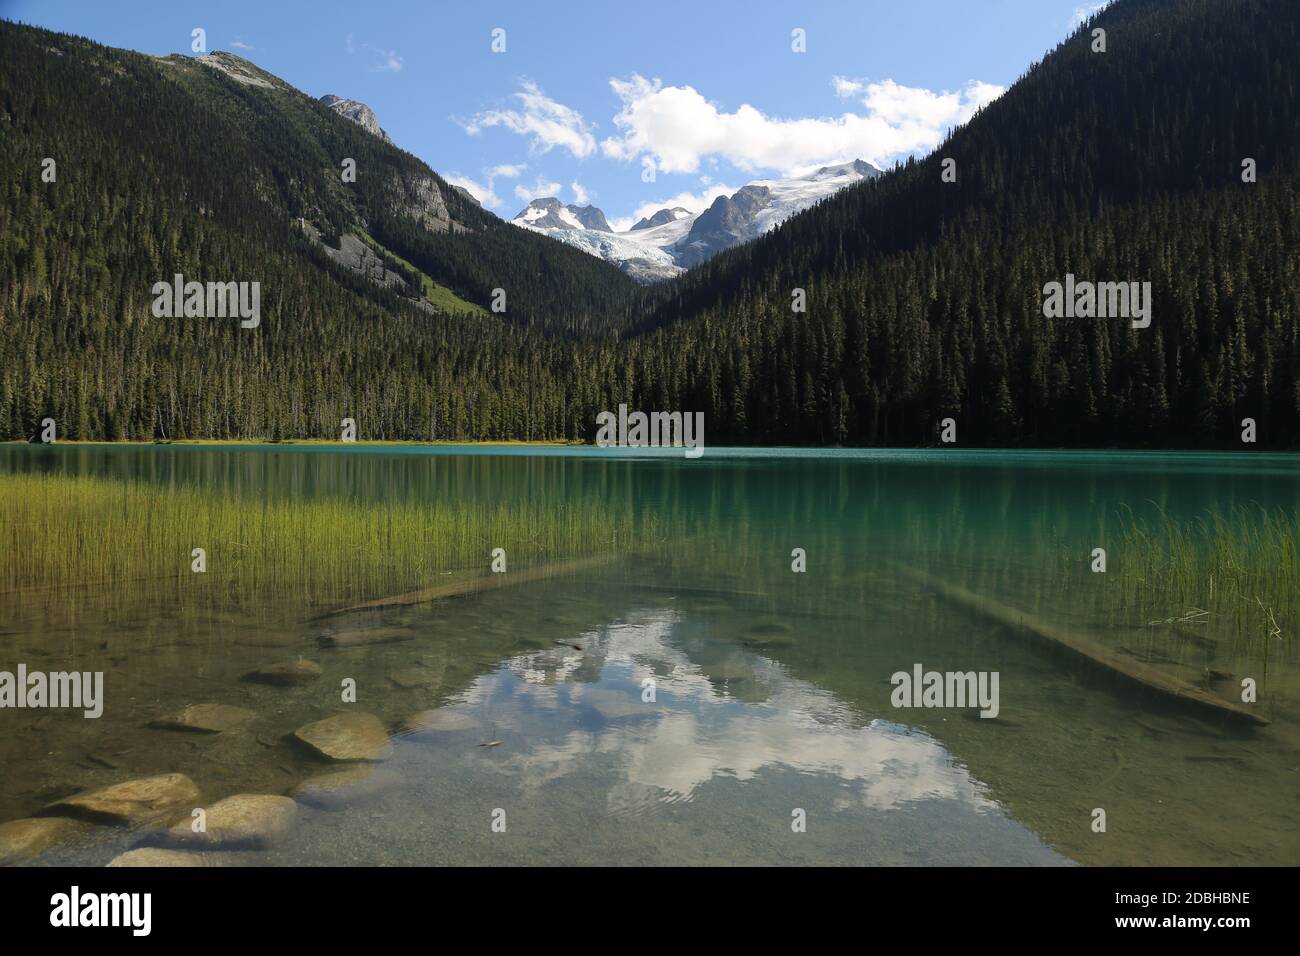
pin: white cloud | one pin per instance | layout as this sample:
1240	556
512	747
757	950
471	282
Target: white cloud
241	45
485	192
677	128
844	87
347	44
546	122
924	112
481	191
1081	14
580	194
386	61
540	188
695	202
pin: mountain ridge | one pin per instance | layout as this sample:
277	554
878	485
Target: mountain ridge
669	241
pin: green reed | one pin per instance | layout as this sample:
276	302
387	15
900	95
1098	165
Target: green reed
1235	575
59	532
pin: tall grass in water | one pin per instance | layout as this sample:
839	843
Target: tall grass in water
1234	575
58	531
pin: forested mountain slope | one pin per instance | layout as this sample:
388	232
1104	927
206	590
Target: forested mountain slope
209	169
924	298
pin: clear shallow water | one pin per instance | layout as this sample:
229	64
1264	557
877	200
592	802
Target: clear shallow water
772	688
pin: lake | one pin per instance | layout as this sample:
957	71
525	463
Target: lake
675	661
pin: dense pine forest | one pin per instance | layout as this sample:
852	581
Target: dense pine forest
924	297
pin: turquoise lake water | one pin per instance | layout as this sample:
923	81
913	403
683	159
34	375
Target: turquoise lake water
772	700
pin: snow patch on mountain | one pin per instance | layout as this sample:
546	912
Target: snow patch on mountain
669	241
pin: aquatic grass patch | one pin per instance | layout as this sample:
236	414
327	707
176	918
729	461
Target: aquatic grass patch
1181	589
1235	574
61	531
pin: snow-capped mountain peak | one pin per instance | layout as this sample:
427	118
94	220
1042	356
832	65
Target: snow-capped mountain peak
550	213
661	217
671	240
851	171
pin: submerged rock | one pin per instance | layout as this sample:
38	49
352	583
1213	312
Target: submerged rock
763	643
133	803
728	670
27	839
436	721
286	674
410	678
770	634
205	719
246	821
343	737
342	789
152	856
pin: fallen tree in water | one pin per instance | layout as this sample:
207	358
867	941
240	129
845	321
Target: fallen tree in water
487	581
1088	648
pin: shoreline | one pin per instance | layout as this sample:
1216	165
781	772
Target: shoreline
326	442
657	451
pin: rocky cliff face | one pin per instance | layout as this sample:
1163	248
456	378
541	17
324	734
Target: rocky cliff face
724	224
359	113
240	70
662	217
419	198
416	196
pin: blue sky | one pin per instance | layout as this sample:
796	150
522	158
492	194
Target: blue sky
589	100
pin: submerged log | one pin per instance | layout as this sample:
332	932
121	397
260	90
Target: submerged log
484	582
693	591
1088	648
